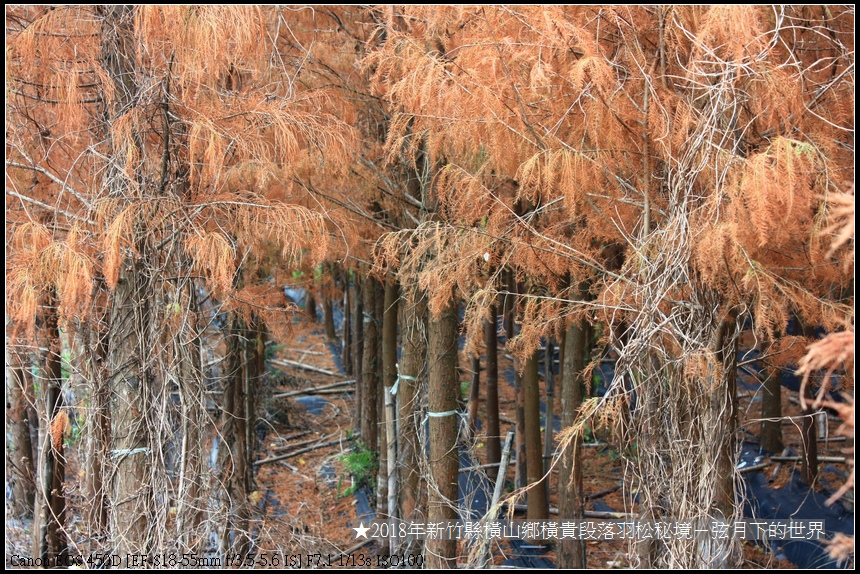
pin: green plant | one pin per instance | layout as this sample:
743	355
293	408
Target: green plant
361	464
588	436
272	350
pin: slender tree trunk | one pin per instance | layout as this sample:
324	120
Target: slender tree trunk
381	442
98	435
328	319
311	304
412	364
571	552
131	494
348	341
474	394
549	420
510	304
244	355
369	380
191	388
809	436
444	456
389	373
50	541
494	447
536	496
19	452
728	407
358	355
771	411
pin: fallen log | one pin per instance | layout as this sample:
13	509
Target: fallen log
311	390
297	452
298	365
587	513
294	436
303	351
603	492
758	466
299	444
350	550
800	458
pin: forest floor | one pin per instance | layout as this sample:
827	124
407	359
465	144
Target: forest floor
303	503
315	515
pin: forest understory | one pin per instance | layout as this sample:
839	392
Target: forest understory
274	269
305	506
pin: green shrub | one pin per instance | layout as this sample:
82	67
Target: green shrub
361	464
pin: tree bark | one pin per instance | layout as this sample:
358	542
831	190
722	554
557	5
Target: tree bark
444	456
728	407
130	338
538	508
474	394
412	369
311	304
131	495
771	411
381	443
98	435
369	380
494	449
328	319
347	342
549	420
389	370
510	304
19	452
571	553
358	354
244	359
809	436
50	543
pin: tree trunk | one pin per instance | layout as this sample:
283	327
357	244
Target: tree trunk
381	442
237	418
132	310
19	452
98	432
347	341
494	448
412	363
549	420
358	355
771	411
474	394
728	407
328	319
537	503
131	495
311	304
571	552
389	368
510	304
50	543
191	496
444	456
809	436
369	380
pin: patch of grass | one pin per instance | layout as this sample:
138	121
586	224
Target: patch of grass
361	464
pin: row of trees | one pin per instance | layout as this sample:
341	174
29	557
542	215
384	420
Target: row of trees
662	175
